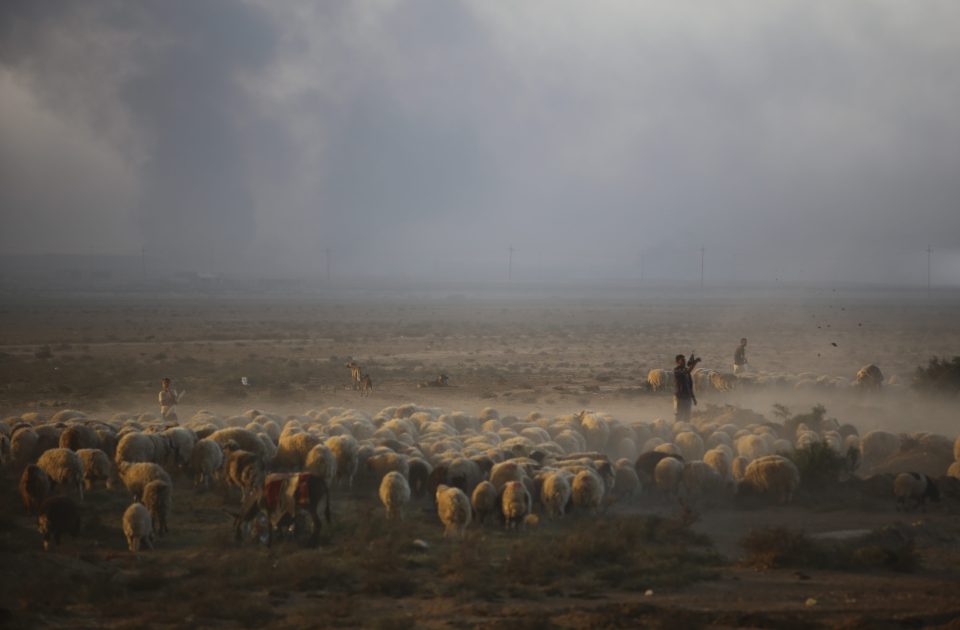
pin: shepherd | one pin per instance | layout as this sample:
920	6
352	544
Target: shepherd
683	395
169	398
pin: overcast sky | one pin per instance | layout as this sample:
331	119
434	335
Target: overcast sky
805	141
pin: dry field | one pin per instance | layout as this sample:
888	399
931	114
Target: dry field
641	563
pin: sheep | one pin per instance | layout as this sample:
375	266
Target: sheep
771	475
206	459
956	450
515	503
244	470
587	490
627	484
717	459
346	450
245	440
505	472
181	441
454	510
878	446
954	470
556	493
323	463
916	487
138	527
690	445
667	476
465	474
484	500
723	381
419	474
143	447
738	467
869	377
78	436
157	496
293	449
64	467
58	515
752	447
96	467
699	480
659	379
394	494
382	463
23	446
136	476
595	429
34	488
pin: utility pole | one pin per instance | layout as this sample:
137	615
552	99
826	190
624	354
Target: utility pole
327	256
510	265
702	250
929	254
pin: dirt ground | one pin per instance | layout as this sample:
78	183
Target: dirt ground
517	353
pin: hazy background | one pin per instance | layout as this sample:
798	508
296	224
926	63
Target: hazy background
798	142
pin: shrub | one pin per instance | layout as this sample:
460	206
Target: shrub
820	467
939	377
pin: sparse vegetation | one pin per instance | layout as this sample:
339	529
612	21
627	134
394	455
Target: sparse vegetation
779	547
941	376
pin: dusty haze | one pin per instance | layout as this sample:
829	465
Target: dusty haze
797	142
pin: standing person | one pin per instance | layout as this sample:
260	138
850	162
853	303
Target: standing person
168	401
683	396
740	357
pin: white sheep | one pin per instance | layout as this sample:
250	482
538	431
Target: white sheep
914	487
206	460
182	441
690	445
668	475
752	447
587	490
454	510
773	476
346	450
700	480
717	459
555	493
515	504
136	476
484	500
292	450
627	482
659	379
96	467
505	472
138	527
394	494
158	497
323	463
738	467
64	467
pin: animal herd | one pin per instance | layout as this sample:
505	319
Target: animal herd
284	473
867	378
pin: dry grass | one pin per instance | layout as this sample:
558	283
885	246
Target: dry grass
888	548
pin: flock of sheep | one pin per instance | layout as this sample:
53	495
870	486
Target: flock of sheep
869	377
475	468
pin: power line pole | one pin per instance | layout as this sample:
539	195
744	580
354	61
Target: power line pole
327	256
510	265
929	254
702	250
